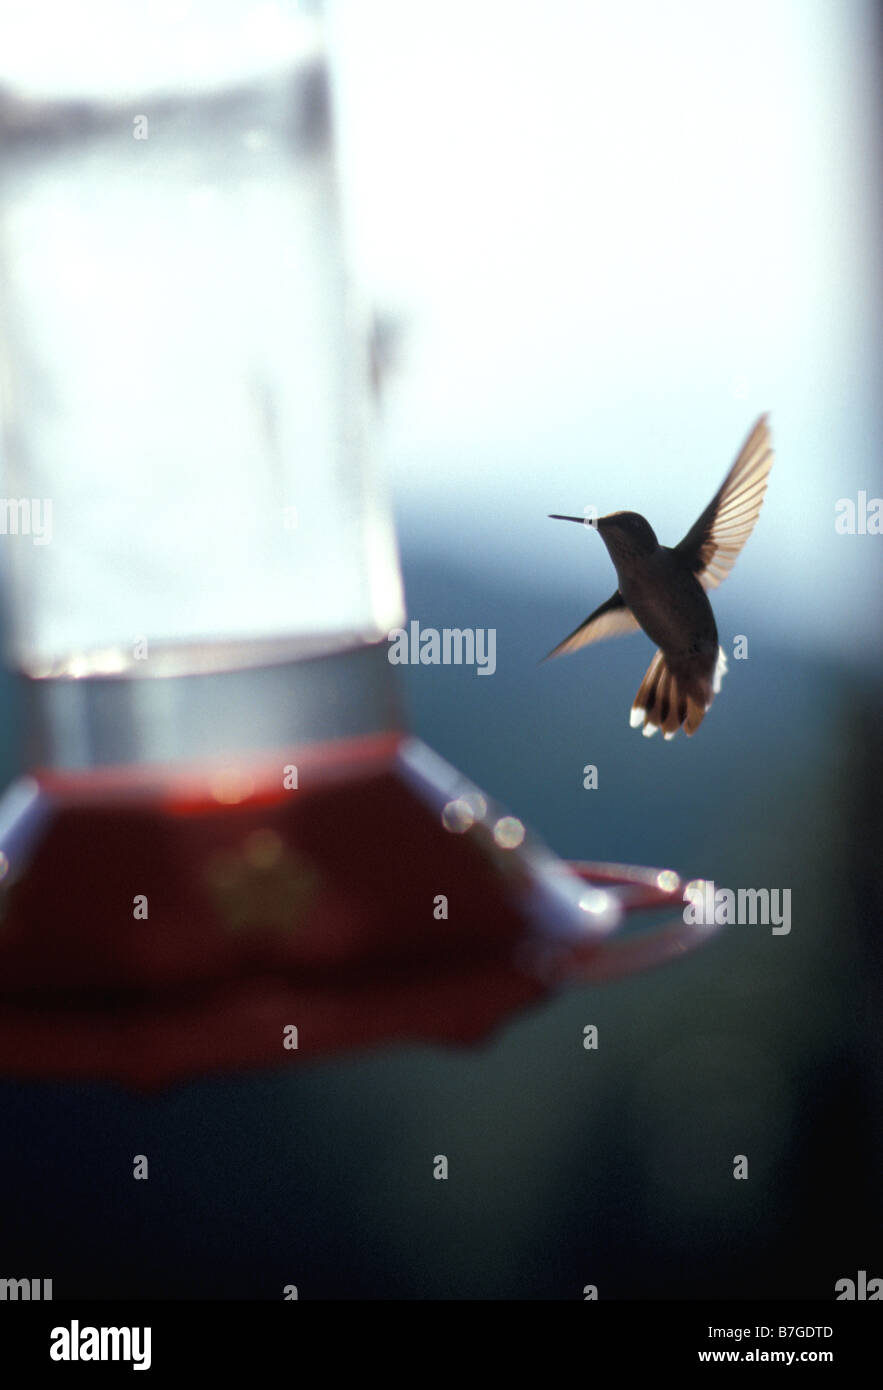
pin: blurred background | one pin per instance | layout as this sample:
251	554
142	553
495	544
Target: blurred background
609	237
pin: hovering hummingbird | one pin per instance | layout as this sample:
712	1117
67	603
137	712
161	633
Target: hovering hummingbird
662	590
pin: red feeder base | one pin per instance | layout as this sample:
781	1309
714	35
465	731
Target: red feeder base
158	924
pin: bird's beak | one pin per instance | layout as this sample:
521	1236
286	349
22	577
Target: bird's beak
582	520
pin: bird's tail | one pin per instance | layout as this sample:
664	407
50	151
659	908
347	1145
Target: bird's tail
668	699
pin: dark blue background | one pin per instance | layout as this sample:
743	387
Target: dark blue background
567	1167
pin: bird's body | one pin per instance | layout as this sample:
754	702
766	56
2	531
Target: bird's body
668	602
662	589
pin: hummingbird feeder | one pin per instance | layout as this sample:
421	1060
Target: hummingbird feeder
224	849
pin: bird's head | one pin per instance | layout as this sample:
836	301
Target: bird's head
627	535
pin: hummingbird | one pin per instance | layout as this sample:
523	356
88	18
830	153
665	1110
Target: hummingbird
662	589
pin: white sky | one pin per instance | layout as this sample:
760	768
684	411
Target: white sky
618	233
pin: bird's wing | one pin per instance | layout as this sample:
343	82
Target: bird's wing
711	545
610	620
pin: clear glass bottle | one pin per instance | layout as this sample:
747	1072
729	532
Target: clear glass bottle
196	553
